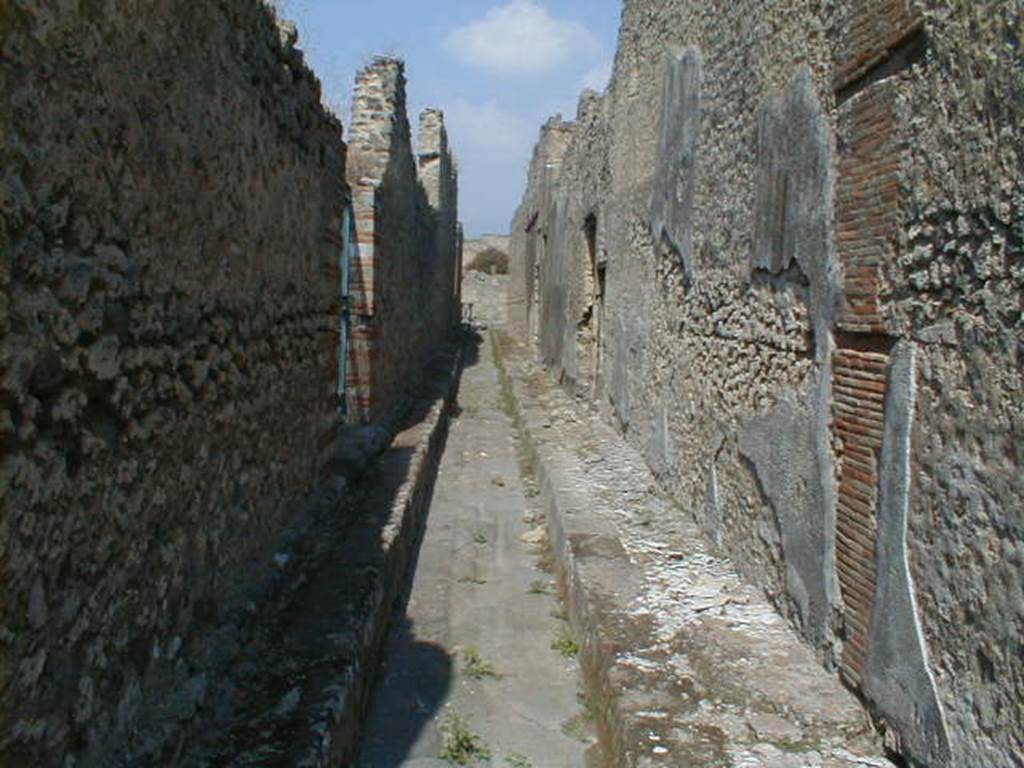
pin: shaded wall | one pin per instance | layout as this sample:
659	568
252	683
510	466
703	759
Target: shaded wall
405	276
811	323
171	200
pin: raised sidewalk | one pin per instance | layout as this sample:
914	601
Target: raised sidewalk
687	664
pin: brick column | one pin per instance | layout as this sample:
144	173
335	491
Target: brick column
867	197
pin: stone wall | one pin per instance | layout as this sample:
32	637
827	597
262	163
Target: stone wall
529	228
783	254
405	277
489	296
171	199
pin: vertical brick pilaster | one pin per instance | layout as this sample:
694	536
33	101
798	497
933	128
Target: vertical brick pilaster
858	397
880	38
363	353
872	30
866	200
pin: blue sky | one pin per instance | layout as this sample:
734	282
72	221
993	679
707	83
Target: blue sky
498	69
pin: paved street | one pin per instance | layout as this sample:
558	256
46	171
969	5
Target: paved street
475	643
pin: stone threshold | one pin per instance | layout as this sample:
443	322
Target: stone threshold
684	663
297	694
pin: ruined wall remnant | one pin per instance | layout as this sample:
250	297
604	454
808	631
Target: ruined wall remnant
527	254
405	279
792	276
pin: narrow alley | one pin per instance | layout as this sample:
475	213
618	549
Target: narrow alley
481	661
363	415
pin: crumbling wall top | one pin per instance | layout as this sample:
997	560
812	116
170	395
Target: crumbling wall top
379	121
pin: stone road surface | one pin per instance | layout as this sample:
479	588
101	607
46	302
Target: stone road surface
478	593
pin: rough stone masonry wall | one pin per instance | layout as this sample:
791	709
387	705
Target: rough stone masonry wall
171	196
404	281
810	320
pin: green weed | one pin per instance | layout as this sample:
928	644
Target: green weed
476	667
539	587
461	746
565	642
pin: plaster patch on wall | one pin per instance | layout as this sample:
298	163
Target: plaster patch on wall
792	230
660	450
783	447
620	374
897	679
712	503
672	196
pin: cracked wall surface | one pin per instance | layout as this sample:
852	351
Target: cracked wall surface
783	199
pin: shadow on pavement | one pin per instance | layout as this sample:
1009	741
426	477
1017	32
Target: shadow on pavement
410	690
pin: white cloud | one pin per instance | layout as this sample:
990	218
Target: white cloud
487	126
519	38
597	77
493	147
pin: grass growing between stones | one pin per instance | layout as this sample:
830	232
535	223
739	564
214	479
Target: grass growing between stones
506	396
516	760
476	666
565	642
539	587
581	725
461	746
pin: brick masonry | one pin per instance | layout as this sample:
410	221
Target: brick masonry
858	397
404	287
867	227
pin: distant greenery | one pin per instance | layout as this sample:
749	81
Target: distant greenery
491	261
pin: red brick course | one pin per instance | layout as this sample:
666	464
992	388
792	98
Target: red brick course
866	205
873	29
858	416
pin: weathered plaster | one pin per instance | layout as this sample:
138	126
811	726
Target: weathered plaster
678	141
897	679
782	445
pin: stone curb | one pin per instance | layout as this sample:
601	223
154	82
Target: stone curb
337	720
680	675
581	610
307	699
